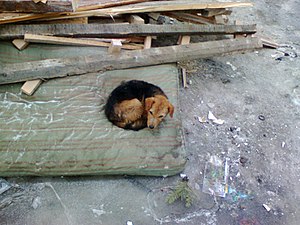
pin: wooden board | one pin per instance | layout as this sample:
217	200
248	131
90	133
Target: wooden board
20	44
29	87
32	7
120	30
83	5
71	41
52	68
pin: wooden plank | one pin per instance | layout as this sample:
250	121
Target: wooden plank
52	68
115	47
184	40
157	6
83	5
136	19
237	22
190	18
121	30
147	42
29	87
215	12
20	44
32	7
71	41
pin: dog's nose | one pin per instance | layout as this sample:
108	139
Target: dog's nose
151	127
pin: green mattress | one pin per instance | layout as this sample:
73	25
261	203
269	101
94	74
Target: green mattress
62	129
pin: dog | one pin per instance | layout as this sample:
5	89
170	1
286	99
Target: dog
136	104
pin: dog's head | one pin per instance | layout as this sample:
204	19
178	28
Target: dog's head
157	108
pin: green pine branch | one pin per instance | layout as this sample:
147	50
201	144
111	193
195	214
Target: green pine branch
181	192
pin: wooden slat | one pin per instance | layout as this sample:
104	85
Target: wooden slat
115	47
120	30
32	7
190	18
29	87
52	68
71	41
20	44
147	42
83	5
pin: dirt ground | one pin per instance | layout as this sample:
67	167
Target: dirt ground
257	94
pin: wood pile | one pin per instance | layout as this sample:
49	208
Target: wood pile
126	27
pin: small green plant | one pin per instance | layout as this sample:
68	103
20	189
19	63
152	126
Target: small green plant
183	192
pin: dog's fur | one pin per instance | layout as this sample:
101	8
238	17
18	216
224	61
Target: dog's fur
137	104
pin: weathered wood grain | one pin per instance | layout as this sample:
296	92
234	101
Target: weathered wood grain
120	30
52	68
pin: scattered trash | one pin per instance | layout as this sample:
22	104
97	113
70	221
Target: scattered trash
182	192
267	207
216	177
129	223
235	195
261	117
214	119
4	186
285	51
283	144
36	202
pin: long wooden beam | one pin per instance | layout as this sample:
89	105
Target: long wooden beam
52	68
120	30
32	7
71	41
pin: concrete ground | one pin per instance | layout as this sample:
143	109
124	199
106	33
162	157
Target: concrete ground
257	95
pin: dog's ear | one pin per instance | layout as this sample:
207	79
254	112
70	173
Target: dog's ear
148	103
171	110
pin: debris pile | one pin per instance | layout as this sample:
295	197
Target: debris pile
125	27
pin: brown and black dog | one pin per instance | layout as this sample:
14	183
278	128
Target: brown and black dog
136	104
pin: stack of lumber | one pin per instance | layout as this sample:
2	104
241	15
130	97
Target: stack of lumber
119	25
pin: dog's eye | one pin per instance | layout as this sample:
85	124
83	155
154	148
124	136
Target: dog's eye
161	116
151	112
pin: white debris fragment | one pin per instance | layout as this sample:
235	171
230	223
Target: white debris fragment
99	212
182	175
267	207
201	119
129	223
283	144
36	202
232	66
212	117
